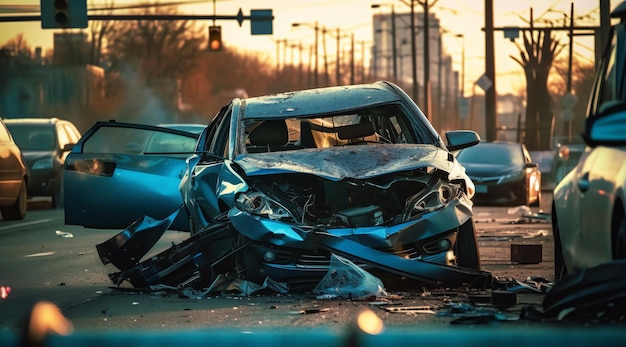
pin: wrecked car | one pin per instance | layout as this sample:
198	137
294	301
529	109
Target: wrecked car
356	171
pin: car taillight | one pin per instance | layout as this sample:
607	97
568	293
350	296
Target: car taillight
564	152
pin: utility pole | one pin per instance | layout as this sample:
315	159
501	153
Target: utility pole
414	53
393	44
490	93
427	103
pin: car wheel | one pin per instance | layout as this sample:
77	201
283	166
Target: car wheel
560	270
17	211
467	253
619	233
58	199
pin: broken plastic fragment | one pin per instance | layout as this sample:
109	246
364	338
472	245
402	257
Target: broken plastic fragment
345	279
63	233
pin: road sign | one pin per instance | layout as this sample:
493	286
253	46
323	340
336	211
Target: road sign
484	82
261	22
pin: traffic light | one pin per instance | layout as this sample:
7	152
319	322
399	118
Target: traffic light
215	38
63	14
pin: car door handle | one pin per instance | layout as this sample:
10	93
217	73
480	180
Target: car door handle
583	182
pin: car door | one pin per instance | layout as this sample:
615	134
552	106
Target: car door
11	168
120	172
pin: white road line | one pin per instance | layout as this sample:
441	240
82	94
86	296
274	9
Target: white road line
25	224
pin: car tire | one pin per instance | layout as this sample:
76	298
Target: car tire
619	233
58	199
466	248
17	211
560	270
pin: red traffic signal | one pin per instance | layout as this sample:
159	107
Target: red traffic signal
215	38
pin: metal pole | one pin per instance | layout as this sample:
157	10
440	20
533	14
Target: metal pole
393	44
338	68
569	65
426	104
490	94
413	52
316	57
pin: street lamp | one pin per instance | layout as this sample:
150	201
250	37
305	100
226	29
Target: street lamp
393	39
316	28
462	64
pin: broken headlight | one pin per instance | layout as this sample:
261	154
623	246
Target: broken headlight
259	204
437	197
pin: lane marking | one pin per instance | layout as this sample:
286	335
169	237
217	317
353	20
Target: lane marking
44	254
26	224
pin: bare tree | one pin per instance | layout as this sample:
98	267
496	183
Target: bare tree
19	49
582	83
149	57
536	59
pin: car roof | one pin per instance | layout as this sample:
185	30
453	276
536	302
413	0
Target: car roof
319	101
33	120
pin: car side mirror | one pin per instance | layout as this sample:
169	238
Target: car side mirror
459	139
68	147
608	129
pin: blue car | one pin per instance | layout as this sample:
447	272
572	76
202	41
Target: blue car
292	178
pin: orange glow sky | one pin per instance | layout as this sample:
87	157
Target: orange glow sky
457	16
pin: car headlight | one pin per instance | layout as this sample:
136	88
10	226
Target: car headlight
437	197
259	204
43	164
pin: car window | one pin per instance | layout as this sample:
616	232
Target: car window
387	124
33	137
491	154
138	141
606	82
73	133
62	136
219	143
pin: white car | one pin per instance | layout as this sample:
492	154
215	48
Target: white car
588	213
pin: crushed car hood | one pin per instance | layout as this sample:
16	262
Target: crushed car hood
337	163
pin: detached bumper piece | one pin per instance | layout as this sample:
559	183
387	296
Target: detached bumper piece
195	262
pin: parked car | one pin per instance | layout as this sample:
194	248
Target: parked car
13	177
355	170
589	205
503	173
45	143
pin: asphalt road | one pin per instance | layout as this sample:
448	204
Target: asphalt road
43	259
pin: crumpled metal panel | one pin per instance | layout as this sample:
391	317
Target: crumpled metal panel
336	163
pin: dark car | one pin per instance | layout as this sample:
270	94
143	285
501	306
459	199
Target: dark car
45	143
503	173
13	177
356	171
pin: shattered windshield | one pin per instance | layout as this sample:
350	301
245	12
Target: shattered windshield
387	125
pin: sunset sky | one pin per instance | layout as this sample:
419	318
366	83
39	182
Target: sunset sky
355	16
